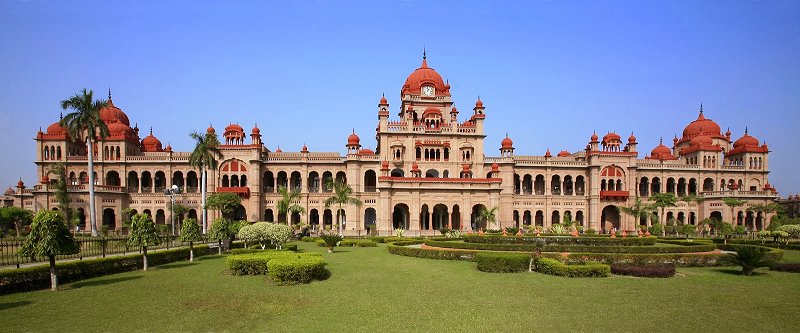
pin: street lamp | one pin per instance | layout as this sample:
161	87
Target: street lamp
172	192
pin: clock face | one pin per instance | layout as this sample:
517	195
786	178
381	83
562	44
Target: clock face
427	91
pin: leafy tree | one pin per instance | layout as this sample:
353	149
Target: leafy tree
85	124
656	229
49	237
342	195
204	156
279	234
792	229
488	215
740	230
61	193
225	203
178	211
638	210
15	216
733	203
662	201
190	232
725	230
749	257
220	229
286	205
143	234
688	230
254	233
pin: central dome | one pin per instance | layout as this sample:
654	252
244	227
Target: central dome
111	114
425	75
702	125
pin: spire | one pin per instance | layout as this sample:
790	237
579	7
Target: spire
61	115
745	130
424	57
151	130
109	92
701	107
661	140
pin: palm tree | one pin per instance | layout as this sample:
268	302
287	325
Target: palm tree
287	205
341	196
204	156
638	210
85	123
733	203
488	215
663	200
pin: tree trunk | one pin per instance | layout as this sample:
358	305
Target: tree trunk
53	277
203	198
341	226
663	224
219	248
92	213
191	251
17	227
144	257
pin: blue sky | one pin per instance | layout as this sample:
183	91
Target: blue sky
549	72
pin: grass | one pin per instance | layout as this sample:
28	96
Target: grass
370	290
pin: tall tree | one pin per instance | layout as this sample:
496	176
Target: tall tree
49	237
204	156
662	201
143	234
18	217
342	195
220	229
62	195
85	123
638	210
190	232
286	205
733	203
488	215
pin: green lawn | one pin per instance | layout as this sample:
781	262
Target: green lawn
372	291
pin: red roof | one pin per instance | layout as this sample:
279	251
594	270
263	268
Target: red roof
422	76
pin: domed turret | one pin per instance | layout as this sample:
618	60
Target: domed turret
745	141
594	137
151	144
700	126
210	129
111	114
563	153
383	100
632	138
507	143
547	153
425	76
661	152
353	139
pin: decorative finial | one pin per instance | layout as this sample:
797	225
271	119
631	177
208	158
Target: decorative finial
661	140
109	92
424	53
354	130
745	130
61	115
151	130
701	107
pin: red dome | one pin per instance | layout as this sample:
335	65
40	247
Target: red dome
454	110
46	179
278	150
210	129
701	141
56	128
479	103
661	152
20	183
594	137
111	114
611	136
465	167
632	139
507	143
385	165
383	100
234	127
547	153
701	125
422	76
563	153
431	110
119	129
366	151
151	144
353	139
305	149
495	167
415	167
169	148
745	141
256	130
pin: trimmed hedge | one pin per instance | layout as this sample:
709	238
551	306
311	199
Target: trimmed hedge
786	267
377	239
783	246
627	241
257	249
677	259
402	249
258	263
309	239
688	248
38	277
358	243
503	262
555	267
296	270
655	271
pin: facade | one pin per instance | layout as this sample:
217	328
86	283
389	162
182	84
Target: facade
429	170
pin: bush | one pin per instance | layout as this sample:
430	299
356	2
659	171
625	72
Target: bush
38	277
749	257
502	262
786	267
555	267
656	229
660	271
687	248
296	270
358	243
258	263
309	239
257	249
582	240
677	259
401	249
377	239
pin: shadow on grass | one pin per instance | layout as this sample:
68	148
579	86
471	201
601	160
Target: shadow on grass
735	271
177	265
103	282
10	305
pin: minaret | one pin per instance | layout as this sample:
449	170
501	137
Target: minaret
383	114
479	115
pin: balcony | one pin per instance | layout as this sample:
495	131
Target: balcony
614	195
243	192
739	194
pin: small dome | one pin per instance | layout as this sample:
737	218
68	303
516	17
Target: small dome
45	179
169	148
495	167
383	100
453	109
20	183
611	136
151	144
563	153
661	152
210	129
594	137
745	141
234	127
305	149
547	153
255	130
415	167
56	128
479	103
366	151
119	129
507	143
278	150
431	111
632	138
700	126
385	165
353	139
465	168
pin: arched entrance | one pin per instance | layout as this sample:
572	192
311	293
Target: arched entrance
370	218
474	217
160	217
716	215
609	218
268	215
455	219
424	218
240	214
327	219
109	219
440	217
400	216
313	219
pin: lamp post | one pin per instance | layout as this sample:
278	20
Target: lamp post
172	192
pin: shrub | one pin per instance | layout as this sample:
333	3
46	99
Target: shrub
555	267
309	239
656	229
400	248
583	240
358	243
688	230
377	239
330	240
502	262
749	257
257	249
296	270
258	263
591	231
660	271
687	248
786	267
38	277
677	259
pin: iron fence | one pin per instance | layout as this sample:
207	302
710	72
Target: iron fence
89	247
